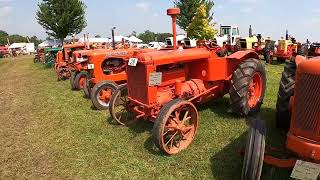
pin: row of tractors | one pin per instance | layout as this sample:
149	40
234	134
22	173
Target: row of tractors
165	87
284	49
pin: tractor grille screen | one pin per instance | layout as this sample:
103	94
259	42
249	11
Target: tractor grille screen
307	103
137	83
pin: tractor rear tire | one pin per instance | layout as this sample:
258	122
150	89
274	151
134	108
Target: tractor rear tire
248	87
98	103
254	152
80	79
268	57
303	50
72	77
87	89
286	90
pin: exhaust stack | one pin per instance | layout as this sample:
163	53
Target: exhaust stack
250	31
113	40
174	12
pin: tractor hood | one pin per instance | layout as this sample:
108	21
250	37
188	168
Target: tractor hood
175	56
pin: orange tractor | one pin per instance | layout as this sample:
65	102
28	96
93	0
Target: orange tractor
310	49
164	86
286	49
106	70
64	62
298	113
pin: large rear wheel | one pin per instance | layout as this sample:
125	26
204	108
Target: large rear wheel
254	152
286	90
175	126
102	93
268	52
248	87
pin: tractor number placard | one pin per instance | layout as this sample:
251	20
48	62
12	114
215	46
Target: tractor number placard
305	170
90	66
155	79
133	62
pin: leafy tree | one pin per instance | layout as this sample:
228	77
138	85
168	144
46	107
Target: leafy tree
199	27
15	38
61	18
3	33
149	36
97	36
134	33
35	40
188	10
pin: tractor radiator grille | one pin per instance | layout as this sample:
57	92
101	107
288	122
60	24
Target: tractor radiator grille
137	83
307	104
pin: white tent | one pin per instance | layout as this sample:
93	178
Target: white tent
96	40
24	47
17	45
134	39
119	38
50	43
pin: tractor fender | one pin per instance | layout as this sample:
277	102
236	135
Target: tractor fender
299	59
243	55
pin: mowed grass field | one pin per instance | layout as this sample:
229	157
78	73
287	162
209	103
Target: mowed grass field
48	131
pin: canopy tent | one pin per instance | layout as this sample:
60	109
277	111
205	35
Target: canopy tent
17	45
50	43
119	38
134	39
96	40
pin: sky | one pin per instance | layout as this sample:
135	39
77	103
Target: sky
271	18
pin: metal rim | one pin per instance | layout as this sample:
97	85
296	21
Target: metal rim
119	107
179	128
104	95
81	81
255	90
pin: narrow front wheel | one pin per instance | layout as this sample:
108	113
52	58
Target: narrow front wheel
176	126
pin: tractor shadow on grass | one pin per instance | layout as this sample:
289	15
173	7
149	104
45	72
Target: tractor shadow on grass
227	163
221	107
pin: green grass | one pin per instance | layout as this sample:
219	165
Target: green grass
49	131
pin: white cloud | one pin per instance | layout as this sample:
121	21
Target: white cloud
246	10
143	5
156	14
5	11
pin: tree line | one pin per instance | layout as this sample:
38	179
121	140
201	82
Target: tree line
4	37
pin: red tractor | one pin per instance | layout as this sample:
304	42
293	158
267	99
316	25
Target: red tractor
298	113
4	52
106	70
79	67
310	49
164	87
64	62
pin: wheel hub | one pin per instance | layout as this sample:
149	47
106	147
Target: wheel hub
255	90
